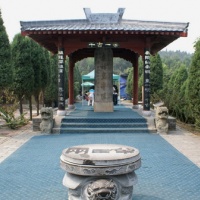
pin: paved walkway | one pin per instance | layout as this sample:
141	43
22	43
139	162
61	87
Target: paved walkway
11	140
164	169
184	141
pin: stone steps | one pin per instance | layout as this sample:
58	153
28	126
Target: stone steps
103	125
103	120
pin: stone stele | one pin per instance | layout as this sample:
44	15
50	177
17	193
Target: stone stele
100	171
103	98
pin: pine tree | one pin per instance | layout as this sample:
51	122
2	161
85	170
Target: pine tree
23	72
194	84
45	65
177	96
174	95
156	75
5	58
36	57
51	91
129	82
77	81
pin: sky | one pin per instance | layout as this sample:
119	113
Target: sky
14	11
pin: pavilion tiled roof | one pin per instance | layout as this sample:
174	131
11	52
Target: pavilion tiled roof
104	27
122	25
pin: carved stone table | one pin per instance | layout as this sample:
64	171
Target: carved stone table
100	171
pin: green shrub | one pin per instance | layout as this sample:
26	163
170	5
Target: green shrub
8	107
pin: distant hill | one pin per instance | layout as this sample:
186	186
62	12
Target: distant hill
182	55
171	58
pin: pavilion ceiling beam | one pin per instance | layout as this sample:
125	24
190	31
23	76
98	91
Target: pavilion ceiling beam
89	52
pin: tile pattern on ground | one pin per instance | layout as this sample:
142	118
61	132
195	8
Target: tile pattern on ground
33	171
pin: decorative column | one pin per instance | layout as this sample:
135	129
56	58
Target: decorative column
71	83
61	77
135	82
146	83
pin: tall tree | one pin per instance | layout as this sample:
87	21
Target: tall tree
129	82
86	65
77	81
156	75
194	84
51	92
185	115
36	57
45	65
22	67
120	65
5	58
177	94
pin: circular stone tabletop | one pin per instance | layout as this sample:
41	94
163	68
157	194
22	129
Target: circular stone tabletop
100	159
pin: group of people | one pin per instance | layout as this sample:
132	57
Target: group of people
89	96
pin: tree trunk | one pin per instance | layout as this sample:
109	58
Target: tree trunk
38	107
42	98
30	108
37	104
20	106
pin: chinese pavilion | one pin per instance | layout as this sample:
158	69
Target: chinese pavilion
82	38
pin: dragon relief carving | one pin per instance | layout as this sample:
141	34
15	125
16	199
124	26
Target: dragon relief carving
102	189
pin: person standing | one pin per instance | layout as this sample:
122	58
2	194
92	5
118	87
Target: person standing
91	97
115	94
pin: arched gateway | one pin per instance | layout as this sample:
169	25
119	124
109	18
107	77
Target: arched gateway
103	36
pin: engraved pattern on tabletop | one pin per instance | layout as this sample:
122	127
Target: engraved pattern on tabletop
118	150
77	150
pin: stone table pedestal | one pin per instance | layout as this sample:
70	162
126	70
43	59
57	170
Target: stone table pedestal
100	171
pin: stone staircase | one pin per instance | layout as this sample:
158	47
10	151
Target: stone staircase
104	125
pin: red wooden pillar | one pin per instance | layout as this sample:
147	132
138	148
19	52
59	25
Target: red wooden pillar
135	82
71	83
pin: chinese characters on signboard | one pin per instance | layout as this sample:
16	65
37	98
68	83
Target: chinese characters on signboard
101	45
147	80
61	99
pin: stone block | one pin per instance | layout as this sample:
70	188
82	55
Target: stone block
36	123
172	123
103	106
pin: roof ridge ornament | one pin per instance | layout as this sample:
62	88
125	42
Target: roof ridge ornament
104	17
